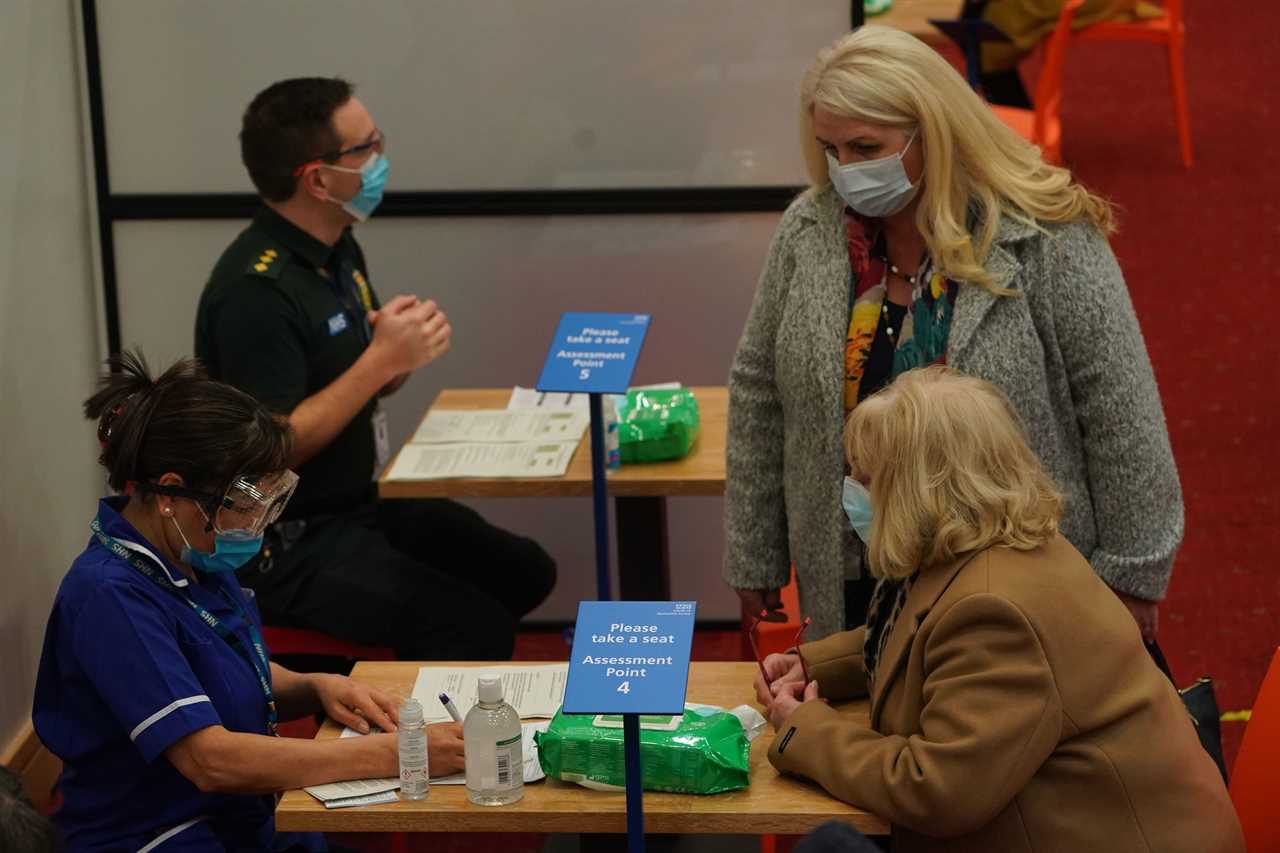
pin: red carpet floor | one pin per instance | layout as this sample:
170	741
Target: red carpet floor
1201	250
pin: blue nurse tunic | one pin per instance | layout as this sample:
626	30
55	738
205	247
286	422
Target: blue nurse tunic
128	669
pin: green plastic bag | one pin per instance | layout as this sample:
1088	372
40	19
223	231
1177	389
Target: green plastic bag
702	752
656	425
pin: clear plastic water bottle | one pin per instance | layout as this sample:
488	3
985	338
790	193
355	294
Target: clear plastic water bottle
491	740
411	736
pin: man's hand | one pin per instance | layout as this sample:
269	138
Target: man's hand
444	749
781	669
1145	613
408	334
789	697
768	600
354	704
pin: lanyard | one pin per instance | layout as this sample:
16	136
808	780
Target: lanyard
257	658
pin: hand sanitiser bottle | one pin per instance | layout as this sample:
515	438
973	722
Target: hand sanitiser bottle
491	742
412	739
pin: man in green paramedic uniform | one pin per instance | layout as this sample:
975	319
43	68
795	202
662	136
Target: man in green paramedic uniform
290	316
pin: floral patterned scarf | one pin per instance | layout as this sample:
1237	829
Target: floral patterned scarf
922	339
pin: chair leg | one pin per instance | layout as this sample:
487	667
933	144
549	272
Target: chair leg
1178	82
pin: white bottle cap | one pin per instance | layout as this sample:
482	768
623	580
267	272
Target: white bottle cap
490	688
411	713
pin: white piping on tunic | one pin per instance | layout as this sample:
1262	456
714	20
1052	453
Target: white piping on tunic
170	833
167	709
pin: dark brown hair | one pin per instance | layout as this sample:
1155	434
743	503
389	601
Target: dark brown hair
288	124
22	828
207	432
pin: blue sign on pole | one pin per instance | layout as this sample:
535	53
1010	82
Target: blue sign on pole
630	657
594	353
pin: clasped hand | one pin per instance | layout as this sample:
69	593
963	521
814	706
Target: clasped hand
785	689
410	332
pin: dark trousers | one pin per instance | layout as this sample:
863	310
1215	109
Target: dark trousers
837	837
429	578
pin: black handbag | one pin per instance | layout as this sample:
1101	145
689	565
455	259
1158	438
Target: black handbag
1202	707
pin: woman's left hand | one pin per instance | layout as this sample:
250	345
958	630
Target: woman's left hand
790	696
354	704
1145	613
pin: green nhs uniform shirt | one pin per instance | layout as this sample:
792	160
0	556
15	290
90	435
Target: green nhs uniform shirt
283	316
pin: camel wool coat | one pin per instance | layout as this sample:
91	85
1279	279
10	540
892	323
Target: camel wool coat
1014	709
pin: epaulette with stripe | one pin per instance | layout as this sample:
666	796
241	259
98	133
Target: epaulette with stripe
268	263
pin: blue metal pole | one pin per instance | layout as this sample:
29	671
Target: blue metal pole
972	58
635	793
600	498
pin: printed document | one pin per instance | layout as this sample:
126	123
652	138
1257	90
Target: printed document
528	398
356	791
534	691
444	461
496	425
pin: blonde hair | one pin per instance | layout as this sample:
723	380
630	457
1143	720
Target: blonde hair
974	165
950	472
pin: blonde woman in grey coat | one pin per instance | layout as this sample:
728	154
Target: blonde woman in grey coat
934	234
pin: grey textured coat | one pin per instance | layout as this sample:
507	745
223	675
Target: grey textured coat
1068	353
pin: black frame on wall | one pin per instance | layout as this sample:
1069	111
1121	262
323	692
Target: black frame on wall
113	207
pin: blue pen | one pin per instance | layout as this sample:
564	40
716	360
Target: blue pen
450	707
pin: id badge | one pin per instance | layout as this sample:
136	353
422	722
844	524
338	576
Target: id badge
381	438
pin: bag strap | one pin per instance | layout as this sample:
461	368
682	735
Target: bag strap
1153	648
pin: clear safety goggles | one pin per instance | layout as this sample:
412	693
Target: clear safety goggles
377	145
247	508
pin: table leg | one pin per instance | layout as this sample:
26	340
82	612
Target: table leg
644	564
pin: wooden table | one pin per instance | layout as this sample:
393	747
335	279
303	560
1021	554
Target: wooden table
913	16
771	804
639	491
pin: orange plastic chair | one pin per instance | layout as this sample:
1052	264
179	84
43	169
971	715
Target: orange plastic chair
303	641
1256	775
1170	31
1042	126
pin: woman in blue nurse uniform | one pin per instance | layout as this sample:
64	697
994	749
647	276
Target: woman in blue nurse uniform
155	688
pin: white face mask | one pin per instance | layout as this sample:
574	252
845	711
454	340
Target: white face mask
874	188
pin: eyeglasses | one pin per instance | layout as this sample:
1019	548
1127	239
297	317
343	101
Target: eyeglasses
377	145
248	506
755	649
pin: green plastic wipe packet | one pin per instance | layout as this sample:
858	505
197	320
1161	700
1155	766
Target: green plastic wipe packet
697	753
656	425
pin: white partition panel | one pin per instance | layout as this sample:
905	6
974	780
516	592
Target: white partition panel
504	283
474	94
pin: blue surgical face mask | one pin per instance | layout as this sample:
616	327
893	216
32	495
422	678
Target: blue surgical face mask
373	181
874	188
857	505
231	550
